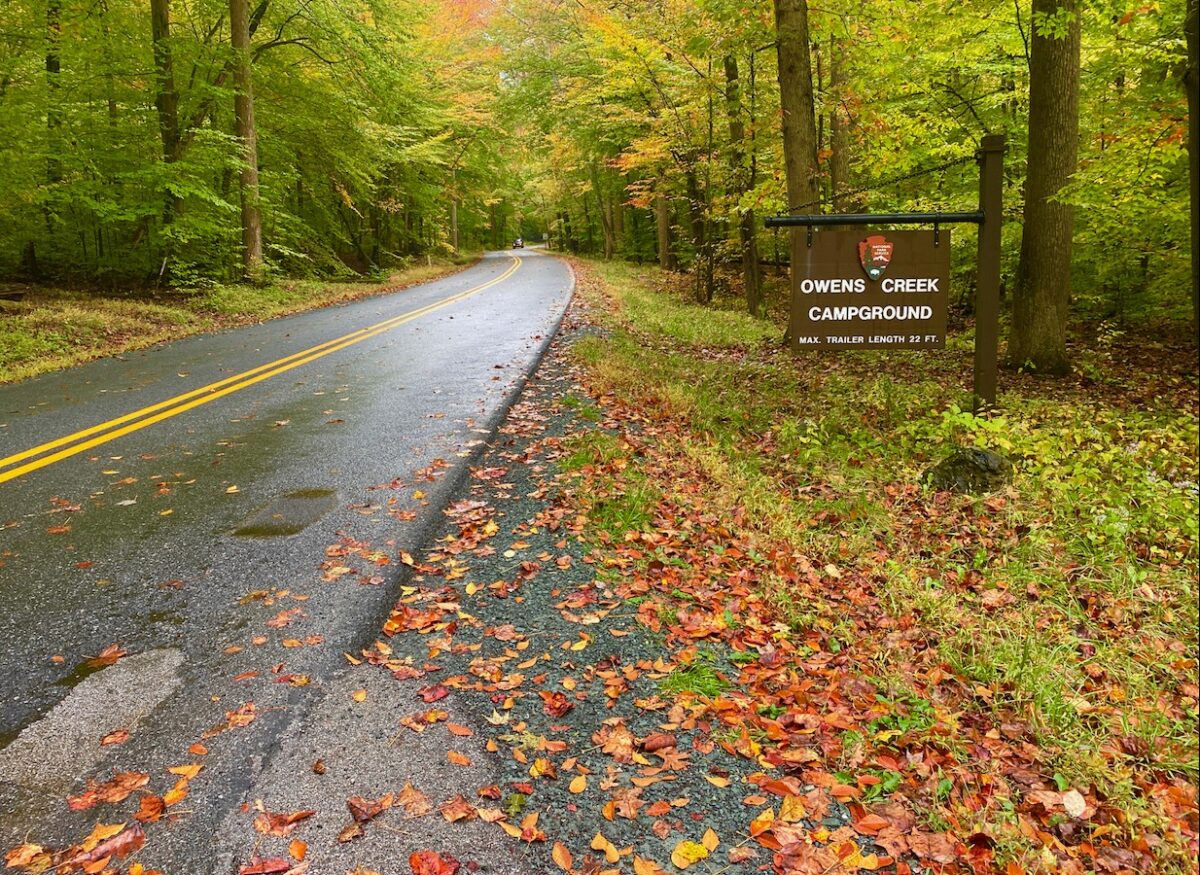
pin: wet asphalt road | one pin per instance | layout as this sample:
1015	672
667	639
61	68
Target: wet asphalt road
131	542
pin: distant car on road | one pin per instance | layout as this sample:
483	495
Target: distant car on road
518	243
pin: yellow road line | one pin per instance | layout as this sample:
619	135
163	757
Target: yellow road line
213	391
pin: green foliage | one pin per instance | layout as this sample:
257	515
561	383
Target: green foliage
365	132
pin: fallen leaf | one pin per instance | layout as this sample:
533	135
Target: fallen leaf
432	863
562	857
687	853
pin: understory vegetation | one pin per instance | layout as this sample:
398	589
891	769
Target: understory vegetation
1057	617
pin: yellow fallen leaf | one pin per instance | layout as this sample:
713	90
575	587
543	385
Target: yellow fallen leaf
600	843
717	780
578	784
688	852
710	840
359	695
232	490
792	809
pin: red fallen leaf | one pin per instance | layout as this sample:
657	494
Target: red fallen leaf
285	618
108	656
457	809
151	809
432	863
278	824
364	810
871	824
937	846
243	716
657	741
118	788
491	792
555	704
269	866
433	693
117	736
120	846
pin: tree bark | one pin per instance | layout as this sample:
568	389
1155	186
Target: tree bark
606	220
1191	84
751	278
703	289
1042	292
247	132
662	219
798	117
53	70
796	100
839	130
166	98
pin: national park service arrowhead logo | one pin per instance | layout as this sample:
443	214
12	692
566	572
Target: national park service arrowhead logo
875	254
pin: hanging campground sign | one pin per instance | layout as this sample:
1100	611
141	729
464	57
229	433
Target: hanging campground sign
871	289
886	290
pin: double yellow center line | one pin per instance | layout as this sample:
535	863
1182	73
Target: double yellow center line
69	445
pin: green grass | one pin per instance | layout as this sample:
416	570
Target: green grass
697	678
1071	599
51	329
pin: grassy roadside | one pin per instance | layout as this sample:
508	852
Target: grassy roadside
1041	640
50	329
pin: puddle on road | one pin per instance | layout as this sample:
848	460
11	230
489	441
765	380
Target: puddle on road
289	514
80	673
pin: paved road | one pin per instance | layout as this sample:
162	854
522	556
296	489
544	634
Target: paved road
238	519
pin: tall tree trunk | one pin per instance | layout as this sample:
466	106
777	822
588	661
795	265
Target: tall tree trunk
703	289
247	132
1191	84
166	98
796	100
1042	291
166	102
53	71
606	222
839	129
618	221
751	278
662	220
799	120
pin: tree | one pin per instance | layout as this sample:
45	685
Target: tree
1042	293
1191	84
243	103
741	183
799	123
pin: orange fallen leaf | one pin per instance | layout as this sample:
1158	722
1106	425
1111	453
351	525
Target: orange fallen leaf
562	857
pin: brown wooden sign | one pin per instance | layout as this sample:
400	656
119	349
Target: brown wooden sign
865	289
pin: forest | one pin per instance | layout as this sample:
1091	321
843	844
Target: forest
171	143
